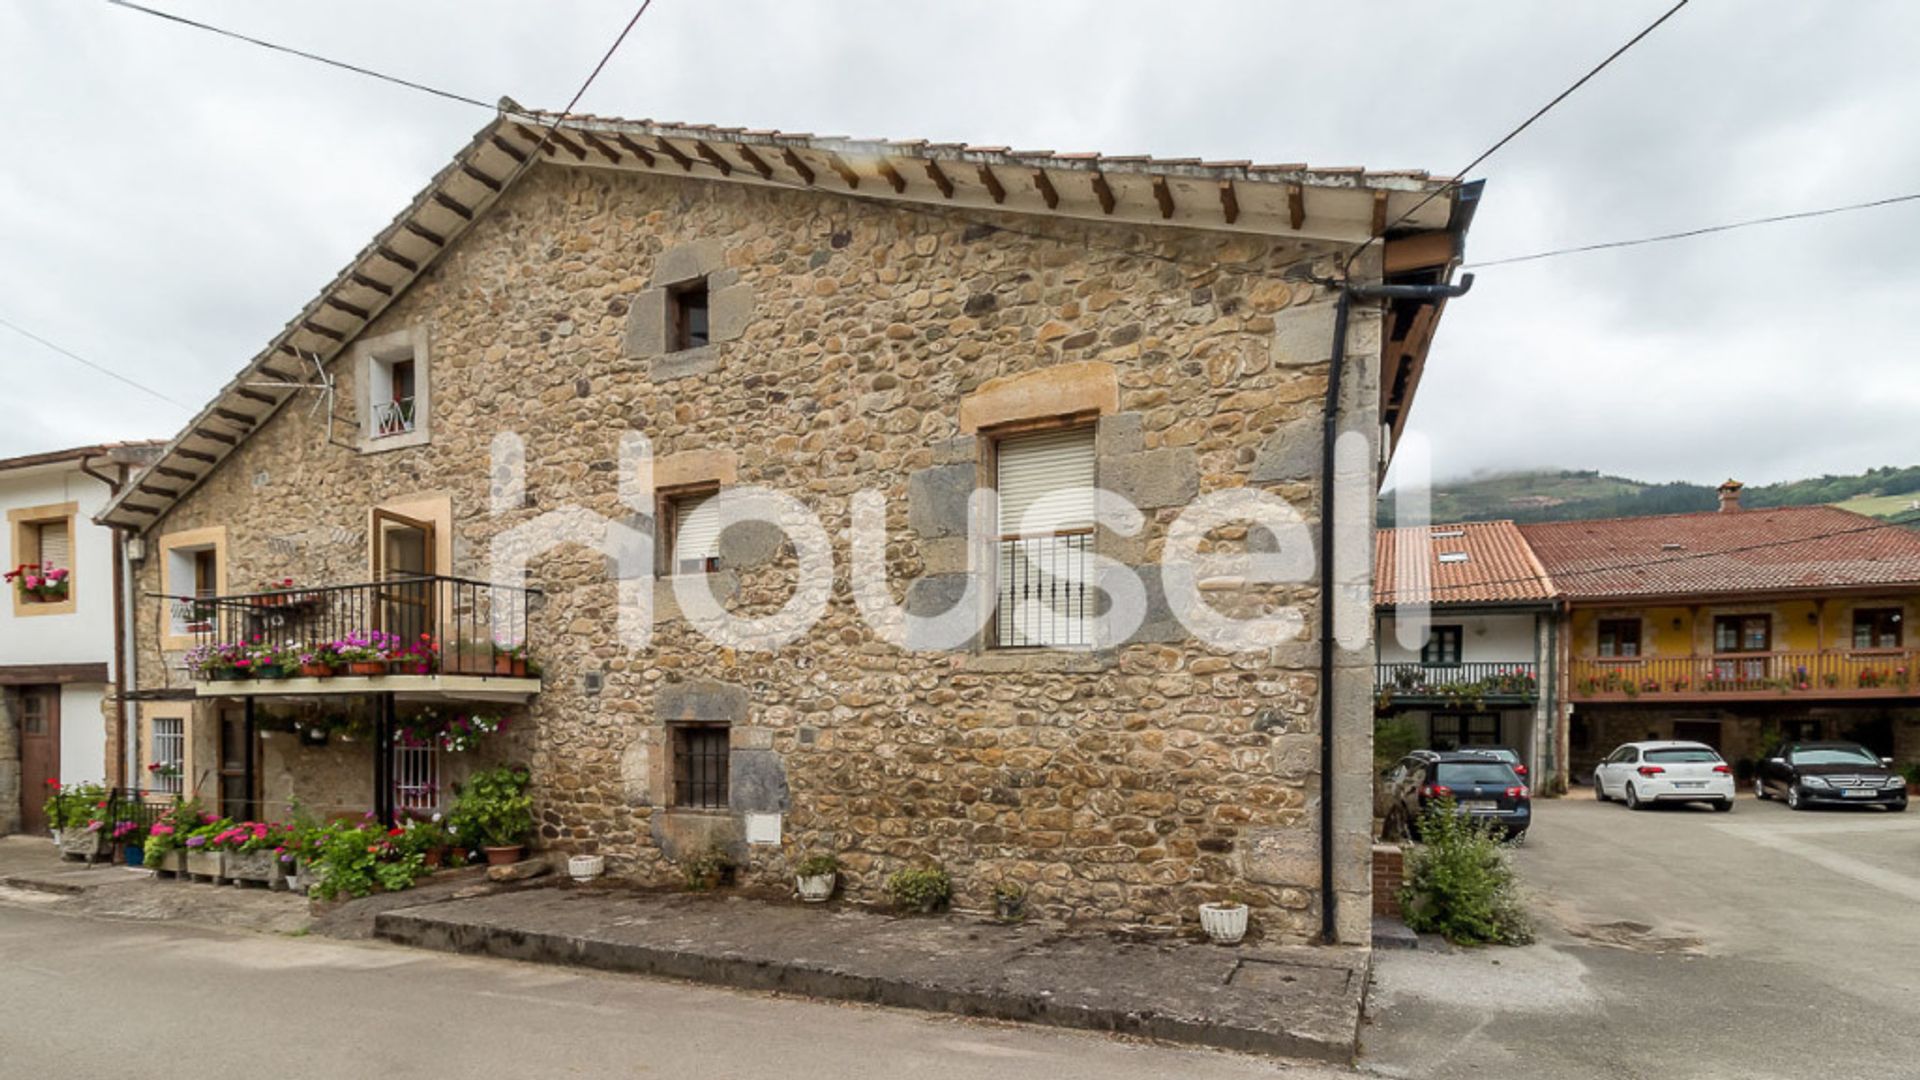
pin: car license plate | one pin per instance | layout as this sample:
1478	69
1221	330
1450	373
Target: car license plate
1858	793
1479	804
1689	783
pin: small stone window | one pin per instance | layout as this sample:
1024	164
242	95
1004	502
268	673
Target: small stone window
687	307
691	524
1045	483
700	762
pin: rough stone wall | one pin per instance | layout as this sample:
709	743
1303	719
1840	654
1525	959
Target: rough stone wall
1123	785
9	764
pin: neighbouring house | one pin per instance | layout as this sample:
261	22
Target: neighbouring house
1478	669
1736	628
822	320
58	624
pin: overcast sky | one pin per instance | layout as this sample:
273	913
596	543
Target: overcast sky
170	198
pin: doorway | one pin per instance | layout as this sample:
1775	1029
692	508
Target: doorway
39	752
403	568
1700	731
236	772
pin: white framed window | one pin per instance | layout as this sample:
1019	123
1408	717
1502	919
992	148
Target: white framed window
693	531
416	780
392	375
167	770
1045	483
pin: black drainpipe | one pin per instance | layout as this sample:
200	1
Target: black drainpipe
1330	432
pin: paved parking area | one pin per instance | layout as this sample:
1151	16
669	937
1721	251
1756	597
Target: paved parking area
1679	943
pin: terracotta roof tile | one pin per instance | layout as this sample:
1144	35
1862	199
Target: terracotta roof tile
1498	567
1802	547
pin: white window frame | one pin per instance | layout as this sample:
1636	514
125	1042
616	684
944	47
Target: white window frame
417	787
373	362
1028	551
169	735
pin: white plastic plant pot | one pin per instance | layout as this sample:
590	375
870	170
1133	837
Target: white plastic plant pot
817	889
1225	924
586	867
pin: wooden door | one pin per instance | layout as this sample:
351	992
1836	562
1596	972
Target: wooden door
39	752
403	566
236	789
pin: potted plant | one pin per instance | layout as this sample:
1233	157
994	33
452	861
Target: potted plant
710	869
77	816
363	653
1225	922
318	661
493	810
45	583
922	890
1010	901
510	660
250	852
417	657
816	876
162	852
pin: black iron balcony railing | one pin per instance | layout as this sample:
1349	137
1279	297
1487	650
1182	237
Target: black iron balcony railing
403	625
1475	681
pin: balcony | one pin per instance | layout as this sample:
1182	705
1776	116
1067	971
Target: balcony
1816	674
407	633
1469	685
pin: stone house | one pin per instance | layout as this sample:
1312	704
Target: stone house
878	328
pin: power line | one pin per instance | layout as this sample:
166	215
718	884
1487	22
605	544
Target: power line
1686	233
304	55
1896	522
1543	110
108	372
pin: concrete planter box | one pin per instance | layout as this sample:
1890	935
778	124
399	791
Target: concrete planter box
81	842
260	866
817	889
206	864
1225	924
173	862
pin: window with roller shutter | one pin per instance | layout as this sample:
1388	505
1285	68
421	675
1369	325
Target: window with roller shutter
693	523
1045	485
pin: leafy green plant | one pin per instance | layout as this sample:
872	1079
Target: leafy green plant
1010	901
1459	882
817	865
922	890
75	805
352	860
708	870
1393	739
493	809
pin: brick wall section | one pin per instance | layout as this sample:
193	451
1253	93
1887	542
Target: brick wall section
1389	873
1123	786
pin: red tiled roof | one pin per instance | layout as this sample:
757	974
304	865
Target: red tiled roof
1802	547
1498	567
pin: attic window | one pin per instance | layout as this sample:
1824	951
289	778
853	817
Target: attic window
688	309
1453	556
1449	534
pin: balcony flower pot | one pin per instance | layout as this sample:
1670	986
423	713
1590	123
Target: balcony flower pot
817	888
262	866
367	667
316	671
586	867
85	843
206	864
272	671
510	666
504	856
1225	924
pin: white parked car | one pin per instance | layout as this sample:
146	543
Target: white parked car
1643	773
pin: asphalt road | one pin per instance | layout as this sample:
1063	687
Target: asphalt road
1681	944
83	998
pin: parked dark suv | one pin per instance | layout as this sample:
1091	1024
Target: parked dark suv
1808	773
1483	787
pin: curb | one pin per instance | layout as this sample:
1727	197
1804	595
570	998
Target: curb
420	928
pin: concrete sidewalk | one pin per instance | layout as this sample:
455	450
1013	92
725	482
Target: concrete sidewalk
1292	1001
30	868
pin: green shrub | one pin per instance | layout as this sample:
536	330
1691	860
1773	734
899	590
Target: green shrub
920	890
493	809
1394	738
1459	883
817	866
707	870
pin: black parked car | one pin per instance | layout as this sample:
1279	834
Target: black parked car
1482	787
1806	773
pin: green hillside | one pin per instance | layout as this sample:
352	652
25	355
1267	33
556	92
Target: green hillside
1573	495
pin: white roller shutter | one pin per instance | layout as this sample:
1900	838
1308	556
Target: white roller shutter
1058	464
698	536
56	546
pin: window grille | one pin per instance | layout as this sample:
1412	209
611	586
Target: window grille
416	779
1045	484
170	753
700	766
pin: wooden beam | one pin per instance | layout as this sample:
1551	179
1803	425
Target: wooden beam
396	258
552	138
845	170
939	179
483	179
165	493
1418	252
1229	202
634	148
354	310
1103	191
672	151
600	147
1163	195
1046	188
177	474
755	162
276	374
799	167
255	395
424	233
992	184
443	199
1379	212
140	508
216	436
712	157
196	455
322	330
507	148
366	282
1296	206
894	179
235	416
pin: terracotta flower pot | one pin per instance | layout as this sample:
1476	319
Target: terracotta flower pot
503	856
367	667
317	671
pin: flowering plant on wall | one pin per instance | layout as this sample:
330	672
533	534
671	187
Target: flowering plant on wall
46	582
457	734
